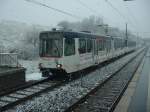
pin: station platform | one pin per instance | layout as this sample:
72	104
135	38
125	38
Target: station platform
11	77
137	96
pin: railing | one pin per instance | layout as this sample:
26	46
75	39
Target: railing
9	60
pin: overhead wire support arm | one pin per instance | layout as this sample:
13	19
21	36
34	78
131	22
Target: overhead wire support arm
55	9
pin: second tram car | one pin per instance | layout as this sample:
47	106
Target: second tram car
63	52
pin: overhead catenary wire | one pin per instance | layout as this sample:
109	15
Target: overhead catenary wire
111	5
54	9
114	22
86	6
94	11
123	17
70	14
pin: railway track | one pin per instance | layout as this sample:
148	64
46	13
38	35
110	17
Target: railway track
105	96
18	96
29	84
22	94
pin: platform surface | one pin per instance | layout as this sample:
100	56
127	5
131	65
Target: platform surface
4	69
137	96
10	78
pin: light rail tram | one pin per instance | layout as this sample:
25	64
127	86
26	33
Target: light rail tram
66	52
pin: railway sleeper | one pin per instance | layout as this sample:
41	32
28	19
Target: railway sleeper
20	93
16	95
37	88
27	92
12	96
9	99
3	103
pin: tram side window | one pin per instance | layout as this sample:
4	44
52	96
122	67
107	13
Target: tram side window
69	47
104	45
109	45
115	44
82	46
100	45
89	45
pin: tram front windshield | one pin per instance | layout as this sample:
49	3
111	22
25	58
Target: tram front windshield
51	45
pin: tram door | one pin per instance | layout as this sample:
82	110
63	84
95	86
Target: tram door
70	59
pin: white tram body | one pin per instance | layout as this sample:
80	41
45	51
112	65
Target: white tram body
74	51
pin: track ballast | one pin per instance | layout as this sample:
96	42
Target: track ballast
105	96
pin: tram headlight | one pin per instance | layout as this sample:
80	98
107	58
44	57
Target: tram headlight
59	65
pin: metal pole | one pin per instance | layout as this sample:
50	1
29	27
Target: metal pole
126	40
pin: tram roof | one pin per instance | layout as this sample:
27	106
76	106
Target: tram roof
71	34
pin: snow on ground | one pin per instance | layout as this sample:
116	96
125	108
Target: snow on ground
61	98
34	76
32	71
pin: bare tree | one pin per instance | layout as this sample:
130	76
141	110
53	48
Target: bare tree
64	24
87	24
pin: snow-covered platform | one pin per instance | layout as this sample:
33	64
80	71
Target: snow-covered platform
13	77
34	77
32	71
137	96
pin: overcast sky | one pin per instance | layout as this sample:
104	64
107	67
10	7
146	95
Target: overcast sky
136	13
